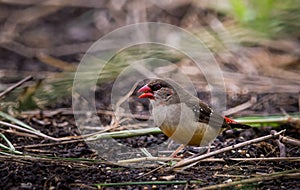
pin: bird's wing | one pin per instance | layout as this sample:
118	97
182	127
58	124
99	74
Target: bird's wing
203	113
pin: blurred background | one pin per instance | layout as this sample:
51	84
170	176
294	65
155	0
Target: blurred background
256	44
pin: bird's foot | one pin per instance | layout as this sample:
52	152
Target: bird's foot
174	154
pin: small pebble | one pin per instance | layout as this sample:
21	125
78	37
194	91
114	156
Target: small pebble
108	170
228	181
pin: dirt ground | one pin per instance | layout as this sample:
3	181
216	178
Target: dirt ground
44	171
47	41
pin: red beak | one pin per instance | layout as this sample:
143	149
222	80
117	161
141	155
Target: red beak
147	92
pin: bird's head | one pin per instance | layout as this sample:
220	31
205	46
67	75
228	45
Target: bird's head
160	90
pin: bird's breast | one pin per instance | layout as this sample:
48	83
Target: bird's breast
178	122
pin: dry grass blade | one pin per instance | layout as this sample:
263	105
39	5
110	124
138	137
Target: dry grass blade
97	136
14	120
20	134
266	177
192	161
241	106
30	52
272	159
57	160
35	132
290	140
116	118
71	3
23	126
135	160
125	133
11	88
67	111
52	61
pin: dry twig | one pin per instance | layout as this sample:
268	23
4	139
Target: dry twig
241	106
11	88
254	179
272	159
292	141
192	161
135	160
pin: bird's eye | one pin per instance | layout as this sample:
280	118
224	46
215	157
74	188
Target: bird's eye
157	87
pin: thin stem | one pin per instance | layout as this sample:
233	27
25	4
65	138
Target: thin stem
195	160
11	88
255	179
38	133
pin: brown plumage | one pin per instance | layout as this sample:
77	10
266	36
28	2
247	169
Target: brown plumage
182	116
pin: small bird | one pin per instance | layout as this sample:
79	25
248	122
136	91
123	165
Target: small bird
183	117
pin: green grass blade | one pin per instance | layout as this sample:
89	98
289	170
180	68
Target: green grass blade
10	146
272	120
12	119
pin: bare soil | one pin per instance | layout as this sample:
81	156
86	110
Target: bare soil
46	40
45	171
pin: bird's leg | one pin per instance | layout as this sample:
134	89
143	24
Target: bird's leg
174	154
208	148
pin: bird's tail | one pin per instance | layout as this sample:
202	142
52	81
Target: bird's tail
234	124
